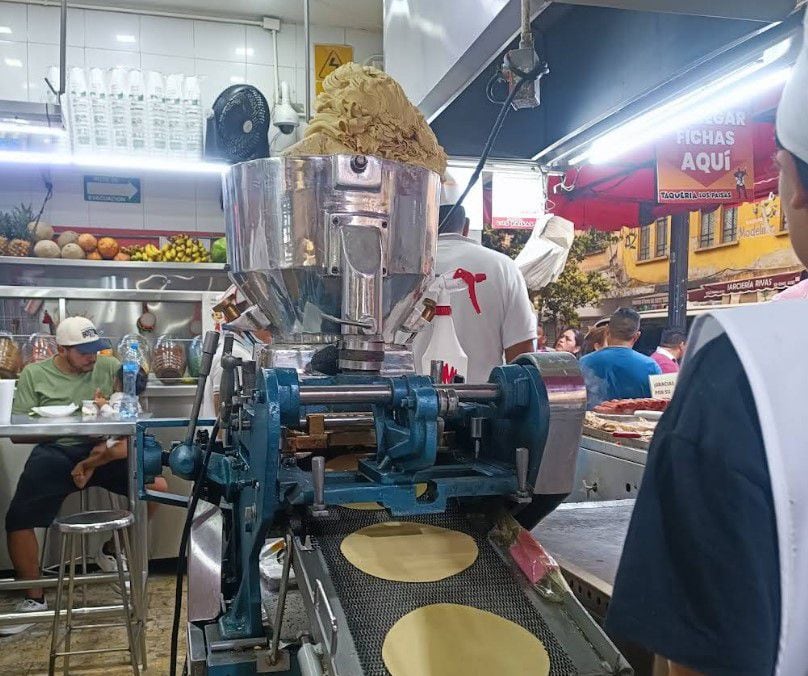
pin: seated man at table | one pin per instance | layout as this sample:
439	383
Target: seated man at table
71	376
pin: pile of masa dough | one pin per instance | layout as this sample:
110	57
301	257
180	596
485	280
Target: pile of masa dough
363	110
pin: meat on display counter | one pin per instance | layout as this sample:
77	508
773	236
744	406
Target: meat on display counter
114	295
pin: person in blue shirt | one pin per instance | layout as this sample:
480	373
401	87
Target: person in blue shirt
618	371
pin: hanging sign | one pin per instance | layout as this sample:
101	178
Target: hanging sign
121	189
327	58
709	162
517	200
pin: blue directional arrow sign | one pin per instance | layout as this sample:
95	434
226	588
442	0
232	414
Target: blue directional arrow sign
121	189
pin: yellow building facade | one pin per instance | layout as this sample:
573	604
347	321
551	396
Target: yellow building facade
748	241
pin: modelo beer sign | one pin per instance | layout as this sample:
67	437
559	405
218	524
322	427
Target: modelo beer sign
709	162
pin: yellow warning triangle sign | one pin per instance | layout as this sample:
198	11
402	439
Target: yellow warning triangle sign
331	63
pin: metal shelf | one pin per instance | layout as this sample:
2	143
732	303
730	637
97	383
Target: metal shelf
62	263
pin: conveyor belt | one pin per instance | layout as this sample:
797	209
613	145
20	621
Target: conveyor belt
373	605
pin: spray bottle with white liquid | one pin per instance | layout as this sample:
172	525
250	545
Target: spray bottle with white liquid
443	345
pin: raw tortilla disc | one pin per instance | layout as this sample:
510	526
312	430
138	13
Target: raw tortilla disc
447	639
409	551
349	463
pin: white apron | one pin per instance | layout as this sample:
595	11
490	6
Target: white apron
772	344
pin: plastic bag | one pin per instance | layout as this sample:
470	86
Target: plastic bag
544	256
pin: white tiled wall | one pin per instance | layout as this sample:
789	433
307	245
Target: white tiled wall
222	54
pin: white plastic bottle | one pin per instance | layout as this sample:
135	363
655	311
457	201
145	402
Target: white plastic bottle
80	112
175	115
444	345
102	118
156	122
137	111
120	112
192	110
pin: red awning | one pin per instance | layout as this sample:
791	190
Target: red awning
609	197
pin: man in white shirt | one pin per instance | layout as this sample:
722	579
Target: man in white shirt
506	327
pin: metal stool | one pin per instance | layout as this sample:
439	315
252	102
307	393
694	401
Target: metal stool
78	525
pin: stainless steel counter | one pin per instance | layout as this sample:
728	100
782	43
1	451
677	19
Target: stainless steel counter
27	425
608	470
33	426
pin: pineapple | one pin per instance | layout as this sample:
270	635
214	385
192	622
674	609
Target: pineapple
21	238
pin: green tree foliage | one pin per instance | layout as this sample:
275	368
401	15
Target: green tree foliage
575	288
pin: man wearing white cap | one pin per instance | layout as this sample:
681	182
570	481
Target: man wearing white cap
70	376
714	572
506	325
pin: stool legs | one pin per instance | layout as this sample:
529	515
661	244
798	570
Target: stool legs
57	608
130	602
127	609
136	592
71	585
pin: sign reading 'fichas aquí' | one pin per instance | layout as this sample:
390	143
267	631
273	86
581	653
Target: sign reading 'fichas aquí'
708	162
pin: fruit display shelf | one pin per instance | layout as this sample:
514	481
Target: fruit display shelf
108	264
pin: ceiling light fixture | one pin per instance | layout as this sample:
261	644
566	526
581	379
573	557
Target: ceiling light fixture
5	30
733	89
125	162
127	39
23	127
13	63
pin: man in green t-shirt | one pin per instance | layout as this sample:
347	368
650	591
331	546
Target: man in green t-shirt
75	373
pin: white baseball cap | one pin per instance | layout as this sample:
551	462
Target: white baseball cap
791	128
80	332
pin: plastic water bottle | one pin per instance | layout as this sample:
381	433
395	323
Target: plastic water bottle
99	100
192	108
156	119
81	114
137	111
120	114
175	115
131	366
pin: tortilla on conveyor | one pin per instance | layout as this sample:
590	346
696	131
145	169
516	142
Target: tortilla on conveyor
446	639
409	551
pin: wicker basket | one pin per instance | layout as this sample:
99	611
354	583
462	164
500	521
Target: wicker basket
10	357
169	359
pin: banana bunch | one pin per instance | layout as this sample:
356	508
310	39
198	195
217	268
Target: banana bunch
184	249
148	252
178	249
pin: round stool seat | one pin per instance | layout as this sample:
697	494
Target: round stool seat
95	522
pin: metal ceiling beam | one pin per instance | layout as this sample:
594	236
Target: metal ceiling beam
749	10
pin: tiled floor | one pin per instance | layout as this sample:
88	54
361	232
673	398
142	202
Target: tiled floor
27	654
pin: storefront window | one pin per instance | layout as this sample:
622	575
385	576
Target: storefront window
707	230
729	229
644	248
661	242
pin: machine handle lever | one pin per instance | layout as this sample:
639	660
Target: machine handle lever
522	461
318	480
209	345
